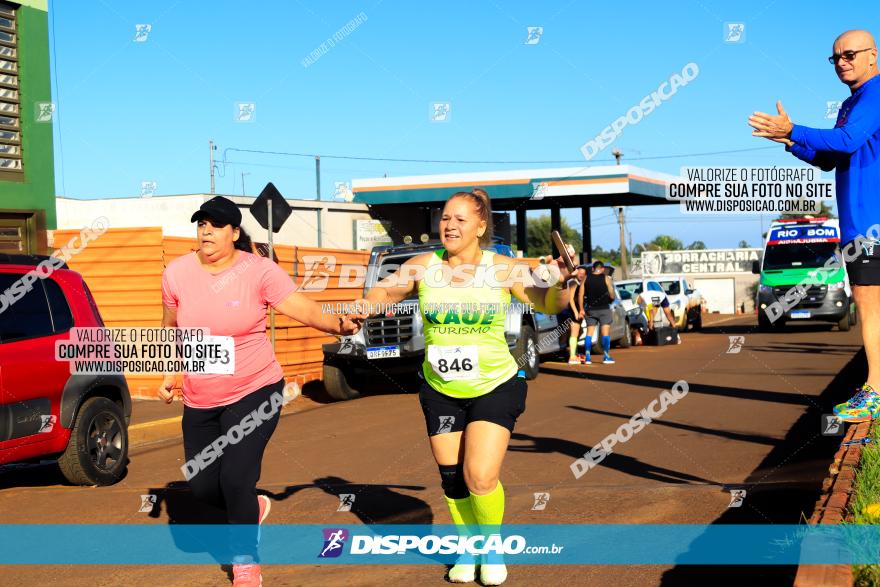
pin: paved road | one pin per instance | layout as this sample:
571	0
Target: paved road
751	419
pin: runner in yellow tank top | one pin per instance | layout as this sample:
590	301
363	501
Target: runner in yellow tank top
466	351
472	395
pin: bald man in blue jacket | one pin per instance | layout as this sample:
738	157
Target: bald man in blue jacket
852	149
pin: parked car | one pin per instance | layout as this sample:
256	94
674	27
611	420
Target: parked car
684	301
45	412
391	348
635	317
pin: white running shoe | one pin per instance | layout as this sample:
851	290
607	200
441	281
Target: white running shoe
462	573
493	574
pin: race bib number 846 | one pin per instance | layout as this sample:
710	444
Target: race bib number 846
454	362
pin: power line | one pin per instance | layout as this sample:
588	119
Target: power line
476	162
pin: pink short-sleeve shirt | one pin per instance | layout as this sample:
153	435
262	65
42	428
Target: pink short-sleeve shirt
232	303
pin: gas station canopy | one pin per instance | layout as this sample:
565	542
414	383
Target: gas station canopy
413	202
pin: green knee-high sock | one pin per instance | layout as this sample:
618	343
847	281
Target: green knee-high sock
572	345
489	508
489	512
463	517
462	511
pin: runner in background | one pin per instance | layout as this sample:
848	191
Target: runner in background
598	295
575	313
472	394
197	294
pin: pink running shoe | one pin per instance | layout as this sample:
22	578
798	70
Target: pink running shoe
265	507
247	576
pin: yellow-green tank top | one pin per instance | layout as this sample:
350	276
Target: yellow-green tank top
461	323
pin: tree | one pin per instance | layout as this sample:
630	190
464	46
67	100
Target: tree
610	256
538	236
697	246
661	242
744	245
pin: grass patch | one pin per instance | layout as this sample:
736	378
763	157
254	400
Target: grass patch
866	491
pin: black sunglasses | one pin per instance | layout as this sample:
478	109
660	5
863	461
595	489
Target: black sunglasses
847	56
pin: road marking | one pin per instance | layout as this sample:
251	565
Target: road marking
155	423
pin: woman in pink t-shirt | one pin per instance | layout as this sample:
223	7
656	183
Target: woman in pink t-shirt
229	418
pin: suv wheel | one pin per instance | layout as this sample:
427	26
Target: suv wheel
765	325
337	385
527	345
845	323
97	453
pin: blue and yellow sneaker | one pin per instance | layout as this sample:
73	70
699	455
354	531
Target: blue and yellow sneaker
863	407
854	400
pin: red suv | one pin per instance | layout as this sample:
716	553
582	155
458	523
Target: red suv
45	412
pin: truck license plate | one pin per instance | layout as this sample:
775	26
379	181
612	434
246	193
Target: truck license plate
800	314
383	352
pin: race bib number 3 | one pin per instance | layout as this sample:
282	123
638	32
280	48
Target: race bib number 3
214	355
453	363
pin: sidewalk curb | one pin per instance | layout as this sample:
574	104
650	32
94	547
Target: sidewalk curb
155	431
831	508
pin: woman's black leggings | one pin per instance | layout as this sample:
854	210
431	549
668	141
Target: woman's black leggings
230	481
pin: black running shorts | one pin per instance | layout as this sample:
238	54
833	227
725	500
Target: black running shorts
865	268
502	406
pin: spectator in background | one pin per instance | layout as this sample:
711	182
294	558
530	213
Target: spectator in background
655	305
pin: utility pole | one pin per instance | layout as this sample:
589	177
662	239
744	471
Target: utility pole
318	176
621	221
211	147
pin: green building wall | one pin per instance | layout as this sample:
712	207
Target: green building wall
37	191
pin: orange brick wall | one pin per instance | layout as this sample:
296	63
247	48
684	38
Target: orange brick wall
123	269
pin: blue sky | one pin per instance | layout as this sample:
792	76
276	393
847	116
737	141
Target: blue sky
144	111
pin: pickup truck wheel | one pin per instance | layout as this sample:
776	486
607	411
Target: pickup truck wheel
337	385
698	322
97	452
526	352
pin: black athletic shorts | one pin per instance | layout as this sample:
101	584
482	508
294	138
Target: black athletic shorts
865	268
502	406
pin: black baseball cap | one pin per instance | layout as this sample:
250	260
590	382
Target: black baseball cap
219	209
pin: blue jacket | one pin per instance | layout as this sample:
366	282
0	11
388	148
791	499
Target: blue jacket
852	149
